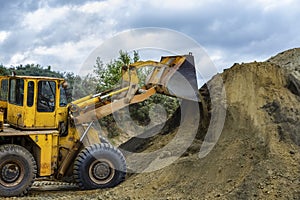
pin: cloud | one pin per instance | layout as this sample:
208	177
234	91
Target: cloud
43	18
243	28
3	36
63	33
159	42
12	11
57	36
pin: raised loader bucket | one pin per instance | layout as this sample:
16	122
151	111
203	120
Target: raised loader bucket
178	80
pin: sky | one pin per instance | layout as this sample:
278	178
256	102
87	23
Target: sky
63	34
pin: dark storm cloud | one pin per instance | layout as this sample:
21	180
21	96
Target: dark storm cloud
12	11
17	40
221	24
40	31
230	31
240	28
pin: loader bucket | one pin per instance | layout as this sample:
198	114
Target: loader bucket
179	80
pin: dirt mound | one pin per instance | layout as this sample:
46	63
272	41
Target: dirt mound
290	61
256	157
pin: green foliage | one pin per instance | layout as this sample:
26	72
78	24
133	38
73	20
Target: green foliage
30	70
109	76
78	86
136	56
140	112
109	123
3	70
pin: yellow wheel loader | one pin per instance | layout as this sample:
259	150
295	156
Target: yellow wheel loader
43	136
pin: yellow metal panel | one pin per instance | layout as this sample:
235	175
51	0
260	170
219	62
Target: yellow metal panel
15	115
1	120
66	143
45	120
3	104
29	116
49	152
54	153
61	115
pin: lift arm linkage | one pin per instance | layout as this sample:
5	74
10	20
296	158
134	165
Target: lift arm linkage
100	105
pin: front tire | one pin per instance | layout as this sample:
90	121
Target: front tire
99	166
17	170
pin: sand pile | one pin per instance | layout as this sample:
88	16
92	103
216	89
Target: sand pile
256	157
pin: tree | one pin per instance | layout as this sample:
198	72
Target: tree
3	70
109	76
78	86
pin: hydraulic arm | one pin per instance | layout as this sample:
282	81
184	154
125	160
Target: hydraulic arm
172	76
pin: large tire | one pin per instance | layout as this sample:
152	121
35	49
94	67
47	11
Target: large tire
99	166
17	170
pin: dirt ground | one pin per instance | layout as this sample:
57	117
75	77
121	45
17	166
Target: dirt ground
256	157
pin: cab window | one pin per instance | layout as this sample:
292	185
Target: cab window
46	96
16	91
4	90
30	93
63	101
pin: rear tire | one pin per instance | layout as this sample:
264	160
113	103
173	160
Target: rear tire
99	166
17	170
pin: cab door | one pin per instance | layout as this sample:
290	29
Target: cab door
45	108
15	114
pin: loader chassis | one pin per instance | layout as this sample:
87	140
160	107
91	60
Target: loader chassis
44	136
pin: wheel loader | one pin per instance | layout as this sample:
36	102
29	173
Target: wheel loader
44	136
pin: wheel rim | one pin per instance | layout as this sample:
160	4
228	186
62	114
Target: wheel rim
101	171
11	172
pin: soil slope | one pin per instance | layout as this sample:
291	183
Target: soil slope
256	157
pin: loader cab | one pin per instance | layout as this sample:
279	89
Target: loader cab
36	102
